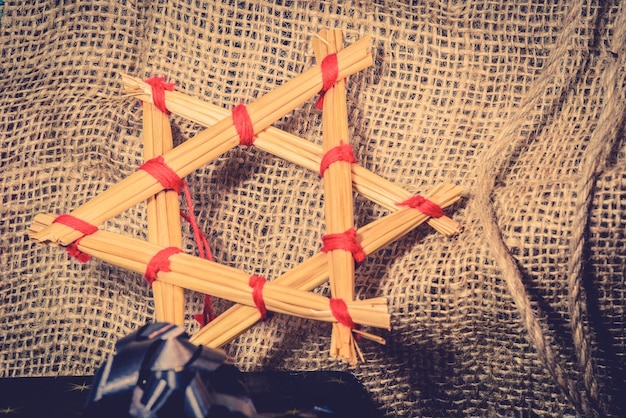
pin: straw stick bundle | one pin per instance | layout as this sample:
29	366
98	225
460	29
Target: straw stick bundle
204	276
289	147
207	145
164	226
372	237
338	199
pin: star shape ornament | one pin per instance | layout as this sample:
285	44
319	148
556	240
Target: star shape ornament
170	270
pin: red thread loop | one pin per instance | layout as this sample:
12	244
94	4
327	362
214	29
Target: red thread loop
160	262
427	207
344	241
330	73
257	283
159	86
243	124
342	152
339	310
81	226
168	178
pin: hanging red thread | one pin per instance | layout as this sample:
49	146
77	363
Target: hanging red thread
81	226
344	241
342	152
339	310
159	86
243	125
330	73
257	283
168	178
160	262
427	207
207	314
204	251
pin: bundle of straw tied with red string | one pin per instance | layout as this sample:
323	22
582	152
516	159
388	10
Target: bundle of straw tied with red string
160	180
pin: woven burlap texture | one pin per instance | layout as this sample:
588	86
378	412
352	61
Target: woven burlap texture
520	102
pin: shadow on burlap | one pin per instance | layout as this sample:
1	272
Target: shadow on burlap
521	103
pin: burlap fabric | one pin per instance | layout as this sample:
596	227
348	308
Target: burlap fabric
520	102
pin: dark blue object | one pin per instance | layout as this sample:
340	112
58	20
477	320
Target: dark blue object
156	372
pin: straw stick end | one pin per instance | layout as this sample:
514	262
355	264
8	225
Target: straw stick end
39	229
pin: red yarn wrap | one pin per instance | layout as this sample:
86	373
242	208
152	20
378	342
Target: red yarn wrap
330	73
73	222
342	152
159	86
257	283
168	178
339	310
427	207
160	262
344	241
243	125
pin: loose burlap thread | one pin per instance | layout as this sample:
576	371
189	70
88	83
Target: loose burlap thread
521	103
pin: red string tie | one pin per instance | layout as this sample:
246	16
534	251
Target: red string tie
342	152
168	178
339	310
159	86
330	73
243	125
160	262
427	207
344	241
81	226
73	222
257	283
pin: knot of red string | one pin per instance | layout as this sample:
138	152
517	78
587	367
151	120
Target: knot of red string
168	178
330	73
81	226
243	125
344	241
159	86
342	152
339	309
257	283
427	207
160	262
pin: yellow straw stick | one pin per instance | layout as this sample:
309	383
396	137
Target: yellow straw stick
207	145
164	226
338	199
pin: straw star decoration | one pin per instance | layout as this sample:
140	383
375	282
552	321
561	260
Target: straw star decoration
159	181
